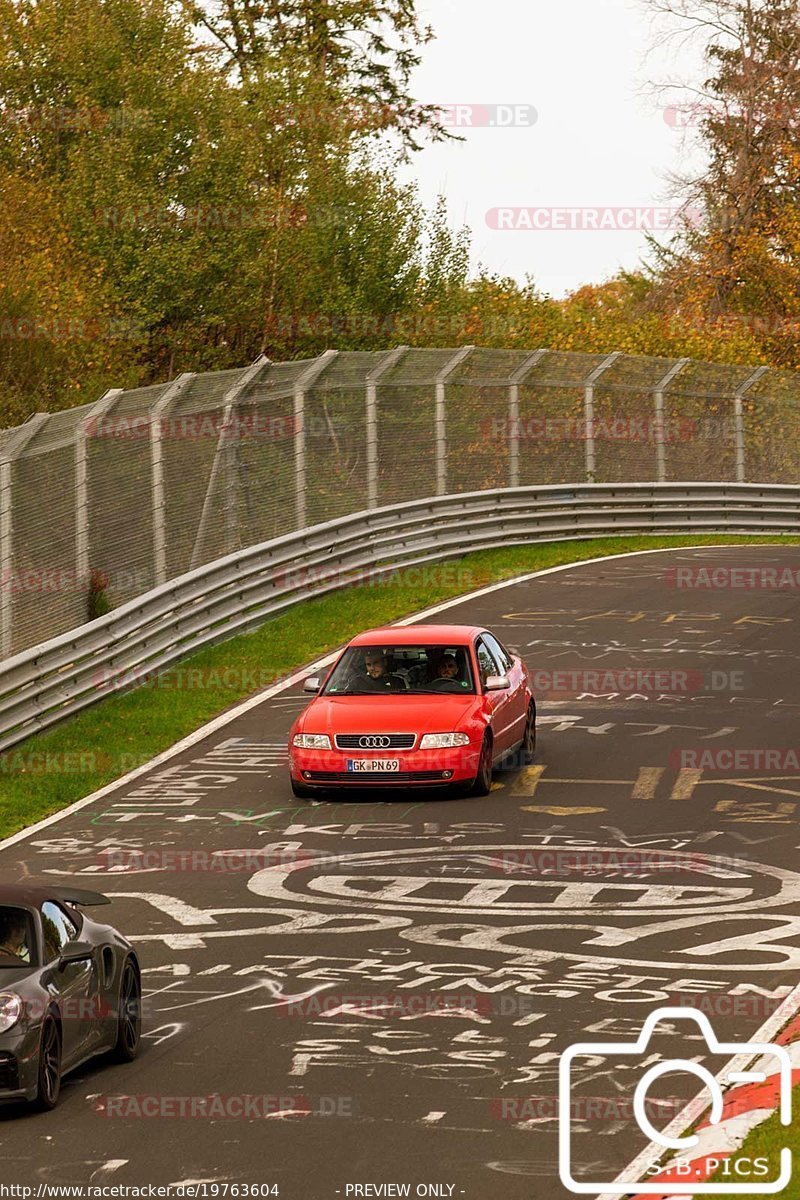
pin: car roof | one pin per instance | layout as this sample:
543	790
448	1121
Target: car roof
33	896
414	635
23	896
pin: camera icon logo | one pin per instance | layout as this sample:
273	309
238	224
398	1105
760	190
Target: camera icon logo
743	1054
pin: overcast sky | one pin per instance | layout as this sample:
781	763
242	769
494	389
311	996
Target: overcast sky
596	144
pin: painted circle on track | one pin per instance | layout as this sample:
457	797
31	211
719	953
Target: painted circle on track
513	881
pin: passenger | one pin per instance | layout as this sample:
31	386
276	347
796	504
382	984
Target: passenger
378	677
13	935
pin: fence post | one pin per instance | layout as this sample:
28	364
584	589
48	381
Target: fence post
588	412
517	379
10	453
158	491
302	384
82	430
658	401
386	363
440	419
230	400
738	420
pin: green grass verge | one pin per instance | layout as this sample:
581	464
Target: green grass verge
766	1142
53	769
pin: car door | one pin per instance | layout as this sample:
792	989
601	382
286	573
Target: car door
518	706
73	986
498	703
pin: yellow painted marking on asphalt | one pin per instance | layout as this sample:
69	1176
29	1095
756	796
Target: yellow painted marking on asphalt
757	812
553	810
761	620
527	781
685	784
646	784
618	782
751	785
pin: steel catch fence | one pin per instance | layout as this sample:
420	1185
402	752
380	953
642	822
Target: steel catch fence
119	497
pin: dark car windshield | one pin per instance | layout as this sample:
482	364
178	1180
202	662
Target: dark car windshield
402	670
17	940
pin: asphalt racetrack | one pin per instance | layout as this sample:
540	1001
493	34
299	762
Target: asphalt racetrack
378	991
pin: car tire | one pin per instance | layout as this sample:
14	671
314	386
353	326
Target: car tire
48	1082
301	792
129	1014
528	748
483	780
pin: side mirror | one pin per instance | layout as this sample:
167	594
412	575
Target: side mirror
312	684
75	952
497	683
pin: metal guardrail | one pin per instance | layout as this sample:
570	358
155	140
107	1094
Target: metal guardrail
58	678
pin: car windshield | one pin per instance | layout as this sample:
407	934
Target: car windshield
402	670
16	937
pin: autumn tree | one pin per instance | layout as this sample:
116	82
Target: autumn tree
743	256
190	217
334	67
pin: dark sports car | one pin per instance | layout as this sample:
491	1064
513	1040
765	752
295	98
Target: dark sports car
70	988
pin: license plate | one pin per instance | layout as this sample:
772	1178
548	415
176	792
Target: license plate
364	766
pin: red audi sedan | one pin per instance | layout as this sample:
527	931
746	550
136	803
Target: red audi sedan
418	705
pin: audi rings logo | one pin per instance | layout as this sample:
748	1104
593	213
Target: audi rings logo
374	743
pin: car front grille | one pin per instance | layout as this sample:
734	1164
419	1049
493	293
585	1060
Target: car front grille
9	1078
377	777
373	742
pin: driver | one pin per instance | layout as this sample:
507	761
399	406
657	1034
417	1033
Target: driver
13	935
377	677
447	667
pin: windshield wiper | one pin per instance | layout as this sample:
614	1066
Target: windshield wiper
441	692
388	692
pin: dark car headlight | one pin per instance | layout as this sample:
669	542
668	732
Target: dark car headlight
10	1009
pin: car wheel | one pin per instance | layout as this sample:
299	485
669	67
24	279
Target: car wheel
129	1015
48	1085
483	780
529	741
301	792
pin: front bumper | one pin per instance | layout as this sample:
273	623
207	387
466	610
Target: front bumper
19	1066
418	768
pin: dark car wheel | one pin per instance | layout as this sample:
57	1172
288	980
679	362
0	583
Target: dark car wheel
483	780
49	1077
129	1015
302	793
529	741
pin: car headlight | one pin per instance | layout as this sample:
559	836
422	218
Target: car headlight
10	1008
312	741
443	741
